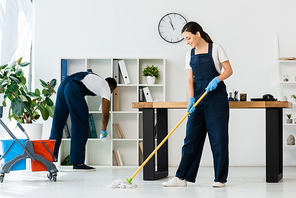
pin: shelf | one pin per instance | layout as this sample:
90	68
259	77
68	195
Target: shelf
288	83
98	153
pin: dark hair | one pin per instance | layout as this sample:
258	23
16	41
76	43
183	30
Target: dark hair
111	81
194	27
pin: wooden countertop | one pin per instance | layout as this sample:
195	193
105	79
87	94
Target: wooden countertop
232	104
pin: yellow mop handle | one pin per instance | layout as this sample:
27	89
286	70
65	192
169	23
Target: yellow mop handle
163	141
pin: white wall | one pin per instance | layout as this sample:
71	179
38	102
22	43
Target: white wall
128	28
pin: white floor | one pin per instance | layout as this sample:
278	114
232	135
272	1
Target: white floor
243	182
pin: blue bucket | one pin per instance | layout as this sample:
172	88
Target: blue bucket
12	152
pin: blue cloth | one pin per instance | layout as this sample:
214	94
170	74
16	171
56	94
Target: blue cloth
211	115
71	100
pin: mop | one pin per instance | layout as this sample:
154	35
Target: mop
119	183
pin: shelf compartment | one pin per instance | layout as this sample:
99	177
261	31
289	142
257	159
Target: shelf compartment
128	151
98	153
128	125
102	67
156	62
75	65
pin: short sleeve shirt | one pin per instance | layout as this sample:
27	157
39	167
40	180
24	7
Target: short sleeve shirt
219	56
97	85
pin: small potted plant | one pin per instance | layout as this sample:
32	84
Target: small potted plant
152	73
294	97
25	107
289	120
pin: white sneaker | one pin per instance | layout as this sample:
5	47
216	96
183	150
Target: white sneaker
175	182
218	184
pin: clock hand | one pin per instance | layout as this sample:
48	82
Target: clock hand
171	23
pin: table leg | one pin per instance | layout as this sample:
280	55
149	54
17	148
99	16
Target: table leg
274	144
148	143
149	172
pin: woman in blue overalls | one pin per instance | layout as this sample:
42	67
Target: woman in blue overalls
211	115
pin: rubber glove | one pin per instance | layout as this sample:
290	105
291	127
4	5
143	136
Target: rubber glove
104	135
213	84
190	104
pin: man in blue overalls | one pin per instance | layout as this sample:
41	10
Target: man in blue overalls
71	100
204	64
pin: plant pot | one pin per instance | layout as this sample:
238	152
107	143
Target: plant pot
289	121
150	79
33	130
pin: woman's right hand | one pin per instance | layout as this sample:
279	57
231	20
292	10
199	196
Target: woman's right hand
190	105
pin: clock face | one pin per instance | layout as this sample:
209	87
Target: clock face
170	27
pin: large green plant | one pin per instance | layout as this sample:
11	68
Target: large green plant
25	106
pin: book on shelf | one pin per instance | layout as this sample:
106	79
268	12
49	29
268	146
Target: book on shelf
123	71
116	71
120	158
92	127
287	58
141	146
116	99
67	131
118	130
147	94
116	158
63	70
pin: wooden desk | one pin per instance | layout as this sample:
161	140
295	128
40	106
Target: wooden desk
274	135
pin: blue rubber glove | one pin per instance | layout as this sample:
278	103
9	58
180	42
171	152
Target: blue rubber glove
213	84
104	135
190	104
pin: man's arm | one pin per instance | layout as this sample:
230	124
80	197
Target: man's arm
105	113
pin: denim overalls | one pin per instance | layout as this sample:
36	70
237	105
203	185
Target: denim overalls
211	115
70	99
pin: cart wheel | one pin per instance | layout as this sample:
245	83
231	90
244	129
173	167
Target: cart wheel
54	178
49	176
1	178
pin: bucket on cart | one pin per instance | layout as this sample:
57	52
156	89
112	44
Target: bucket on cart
9	149
45	149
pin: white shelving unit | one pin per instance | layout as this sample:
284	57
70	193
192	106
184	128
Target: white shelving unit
99	153
287	70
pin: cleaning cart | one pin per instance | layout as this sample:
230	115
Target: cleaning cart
13	154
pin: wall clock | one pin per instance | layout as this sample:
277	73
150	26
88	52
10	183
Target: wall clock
170	26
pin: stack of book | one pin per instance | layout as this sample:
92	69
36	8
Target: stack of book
118	130
118	158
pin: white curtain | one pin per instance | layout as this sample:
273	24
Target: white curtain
16	17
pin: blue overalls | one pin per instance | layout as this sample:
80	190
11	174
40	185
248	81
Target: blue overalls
211	115
70	99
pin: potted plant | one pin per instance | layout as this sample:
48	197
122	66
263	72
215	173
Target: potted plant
25	107
289	120
152	73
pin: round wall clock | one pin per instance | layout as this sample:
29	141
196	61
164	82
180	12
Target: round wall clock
170	27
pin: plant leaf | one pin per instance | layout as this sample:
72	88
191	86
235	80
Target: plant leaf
33	94
19	60
24	64
48	101
44	84
3	66
17	106
14	79
44	114
12	87
53	83
37	91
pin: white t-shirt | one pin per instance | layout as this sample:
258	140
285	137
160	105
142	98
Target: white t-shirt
218	54
97	85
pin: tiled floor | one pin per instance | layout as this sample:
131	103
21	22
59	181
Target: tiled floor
243	182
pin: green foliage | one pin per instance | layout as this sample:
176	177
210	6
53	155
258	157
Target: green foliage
26	106
293	96
289	116
151	71
66	161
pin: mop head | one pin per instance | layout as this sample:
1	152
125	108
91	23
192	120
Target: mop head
120	183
